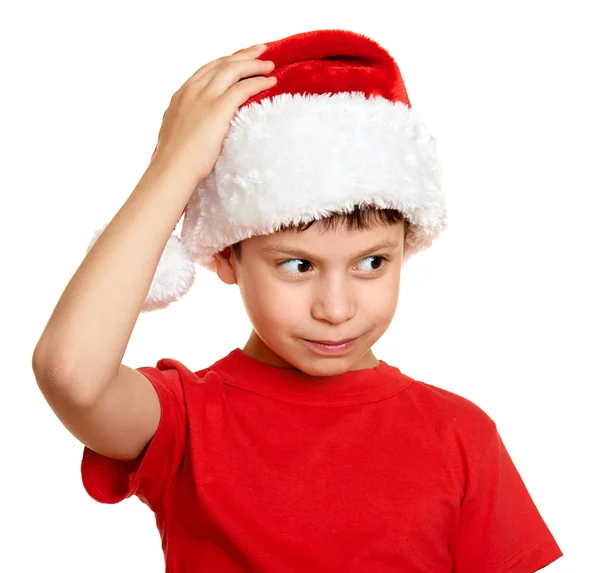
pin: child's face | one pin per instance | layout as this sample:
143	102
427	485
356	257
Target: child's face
316	285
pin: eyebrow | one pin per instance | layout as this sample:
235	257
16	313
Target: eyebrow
282	249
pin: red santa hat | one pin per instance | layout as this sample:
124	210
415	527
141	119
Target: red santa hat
337	130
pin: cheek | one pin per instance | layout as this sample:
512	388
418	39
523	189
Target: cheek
269	301
381	304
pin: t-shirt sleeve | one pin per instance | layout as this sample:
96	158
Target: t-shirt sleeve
152	475
500	528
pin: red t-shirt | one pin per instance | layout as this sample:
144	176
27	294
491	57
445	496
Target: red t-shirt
258	468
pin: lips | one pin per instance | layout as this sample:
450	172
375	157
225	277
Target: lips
332	347
332	342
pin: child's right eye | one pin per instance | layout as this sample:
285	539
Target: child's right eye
296	266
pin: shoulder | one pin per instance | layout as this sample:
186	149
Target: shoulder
447	401
172	371
449	411
175	376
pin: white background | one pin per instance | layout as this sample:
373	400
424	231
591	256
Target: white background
503	309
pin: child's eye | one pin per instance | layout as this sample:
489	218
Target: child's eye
301	266
376	261
296	266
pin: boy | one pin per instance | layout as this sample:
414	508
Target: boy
303	451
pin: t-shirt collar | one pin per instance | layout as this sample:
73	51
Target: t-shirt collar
292	385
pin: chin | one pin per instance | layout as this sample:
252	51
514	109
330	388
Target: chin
332	369
321	366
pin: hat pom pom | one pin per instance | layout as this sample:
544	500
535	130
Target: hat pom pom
174	274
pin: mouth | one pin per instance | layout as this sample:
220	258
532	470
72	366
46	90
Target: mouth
331	346
332	342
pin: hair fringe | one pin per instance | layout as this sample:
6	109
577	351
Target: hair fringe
361	218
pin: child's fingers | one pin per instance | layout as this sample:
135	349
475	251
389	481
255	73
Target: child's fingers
245	89
230	73
214	84
245	54
258	48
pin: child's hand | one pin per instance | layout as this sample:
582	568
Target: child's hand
198	117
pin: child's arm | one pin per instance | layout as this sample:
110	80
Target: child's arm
77	362
109	407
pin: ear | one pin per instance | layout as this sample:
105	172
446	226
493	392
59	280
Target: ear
225	266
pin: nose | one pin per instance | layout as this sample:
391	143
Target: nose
333	301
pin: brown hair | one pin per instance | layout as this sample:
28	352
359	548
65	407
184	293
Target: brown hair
362	217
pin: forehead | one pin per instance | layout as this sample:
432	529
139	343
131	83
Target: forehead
329	243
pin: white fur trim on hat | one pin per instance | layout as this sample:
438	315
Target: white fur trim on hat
296	158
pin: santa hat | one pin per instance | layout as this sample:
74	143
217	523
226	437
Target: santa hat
337	130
